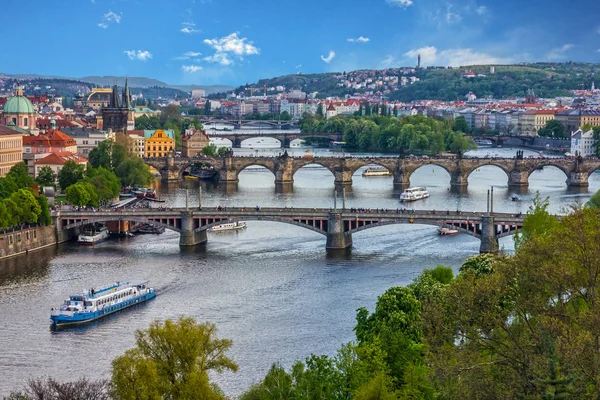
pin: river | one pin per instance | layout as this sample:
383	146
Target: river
271	288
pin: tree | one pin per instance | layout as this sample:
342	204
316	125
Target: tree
553	128
320	110
210	150
50	389
19	175
101	155
461	144
28	207
78	194
70	174
223	151
172	360
107	185
207	107
460	125
538	221
169	112
44	218
285	116
594	200
133	172
46	177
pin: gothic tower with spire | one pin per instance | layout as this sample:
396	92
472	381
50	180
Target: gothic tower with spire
119	116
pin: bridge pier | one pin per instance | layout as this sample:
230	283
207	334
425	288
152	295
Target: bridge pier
236	143
578	179
489	241
188	236
401	180
458	179
337	239
343	177
518	178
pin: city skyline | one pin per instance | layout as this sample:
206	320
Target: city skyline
203	42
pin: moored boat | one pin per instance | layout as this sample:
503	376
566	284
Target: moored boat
92	235
228	227
93	304
445	231
414	194
376	171
150	229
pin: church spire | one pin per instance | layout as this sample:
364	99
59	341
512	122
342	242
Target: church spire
126	97
114	98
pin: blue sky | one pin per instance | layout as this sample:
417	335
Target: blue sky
239	41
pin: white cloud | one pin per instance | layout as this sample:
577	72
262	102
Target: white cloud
451	16
400	3
454	57
300	66
559	52
109	18
220	58
230	45
388	61
330	57
191	68
481	10
187	55
141	55
188	30
359	39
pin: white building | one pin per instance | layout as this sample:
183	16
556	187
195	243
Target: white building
582	143
198	93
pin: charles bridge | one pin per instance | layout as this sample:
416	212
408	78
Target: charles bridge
518	169
337	225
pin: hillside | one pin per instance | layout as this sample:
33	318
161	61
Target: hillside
148	87
439	83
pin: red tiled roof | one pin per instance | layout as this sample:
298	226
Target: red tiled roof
50	139
5	130
61	158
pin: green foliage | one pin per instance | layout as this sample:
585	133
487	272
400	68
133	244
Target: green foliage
106	184
222	152
538	221
134	172
28	209
594	200
20	175
78	194
460	125
172	360
44	217
210	150
553	128
46	177
70	174
410	134
481	264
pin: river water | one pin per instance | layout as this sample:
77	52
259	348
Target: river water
272	288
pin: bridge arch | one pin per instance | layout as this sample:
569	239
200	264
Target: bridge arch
298	165
415	222
536	173
296	222
486	168
193	162
261	137
408	173
118	217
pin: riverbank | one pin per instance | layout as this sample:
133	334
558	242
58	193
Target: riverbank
23	240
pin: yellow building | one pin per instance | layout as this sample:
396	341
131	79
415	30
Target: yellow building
11	149
532	121
99	98
159	143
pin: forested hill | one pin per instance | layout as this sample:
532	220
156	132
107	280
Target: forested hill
439	83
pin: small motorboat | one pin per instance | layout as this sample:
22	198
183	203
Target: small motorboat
445	231
232	226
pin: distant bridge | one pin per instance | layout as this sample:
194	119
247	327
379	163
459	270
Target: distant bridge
238	123
337	225
284	137
518	170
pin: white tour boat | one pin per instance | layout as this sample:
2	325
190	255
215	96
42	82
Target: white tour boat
445	231
228	227
413	194
97	303
376	171
92	235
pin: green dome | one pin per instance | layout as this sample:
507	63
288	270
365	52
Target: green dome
18	105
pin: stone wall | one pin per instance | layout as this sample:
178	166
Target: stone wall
26	240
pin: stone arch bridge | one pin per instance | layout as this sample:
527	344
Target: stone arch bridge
284	137
518	170
336	225
240	123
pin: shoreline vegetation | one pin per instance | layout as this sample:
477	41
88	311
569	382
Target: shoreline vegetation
507	326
